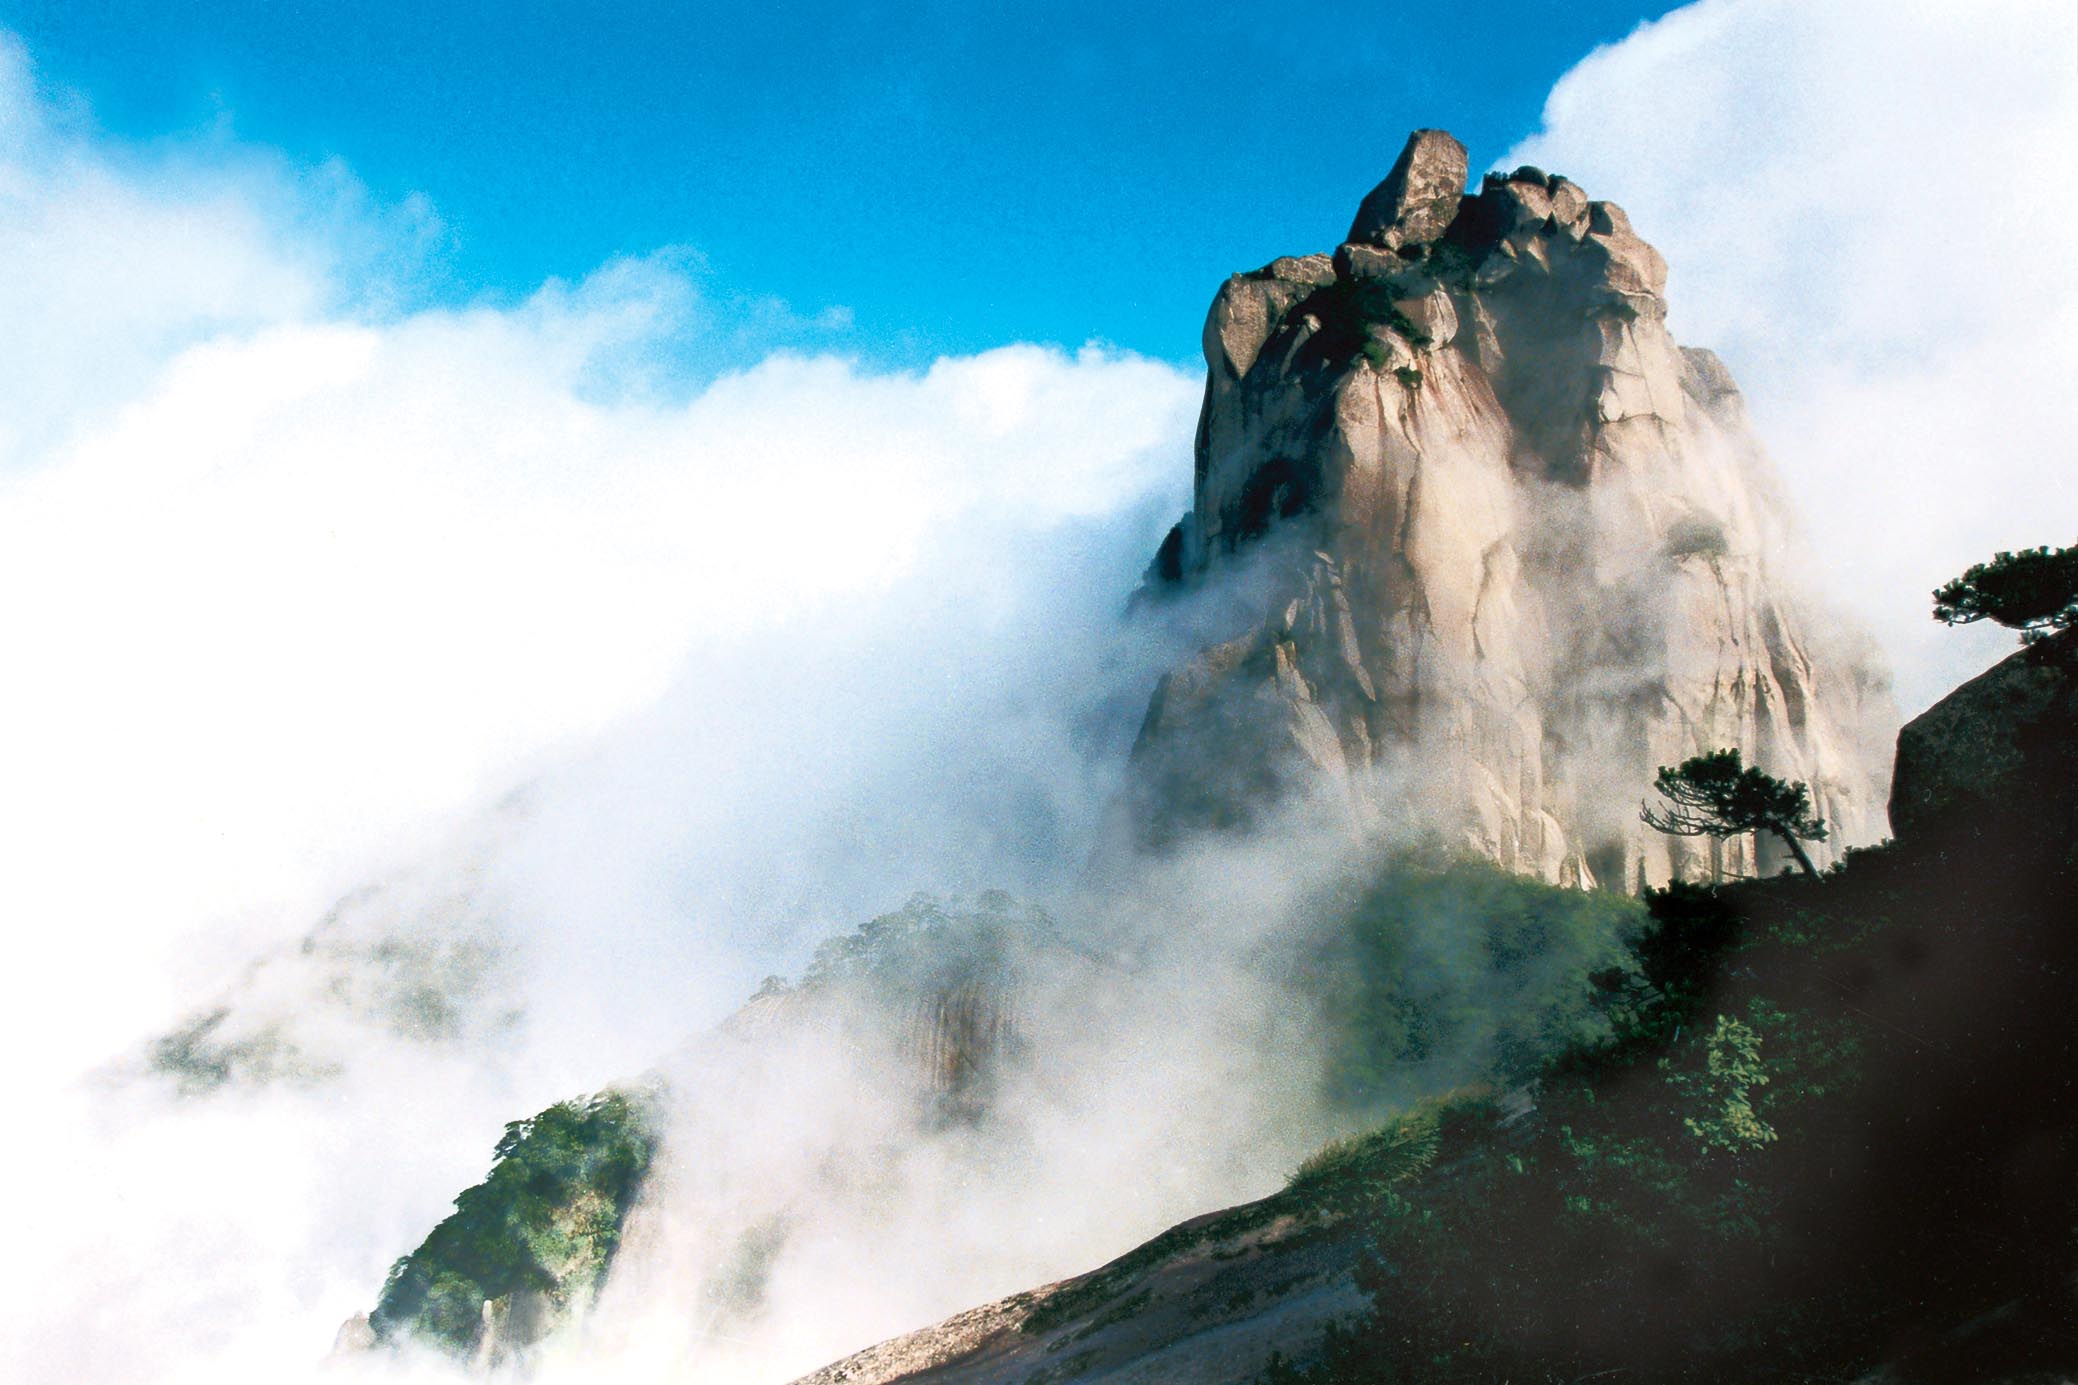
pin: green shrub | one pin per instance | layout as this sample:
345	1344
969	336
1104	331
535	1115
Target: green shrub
1431	978
1696	536
931	940
1349	311
546	1218
1723	1090
1357	1170
1452	263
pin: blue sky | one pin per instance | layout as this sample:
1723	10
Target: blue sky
957	175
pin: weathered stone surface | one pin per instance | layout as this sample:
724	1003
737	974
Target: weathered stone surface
1627	264
2008	736
1569	207
1434	316
1360	260
1518	207
1316	270
1247	310
1706	379
1419	198
1507	573
1210	1307
512	1323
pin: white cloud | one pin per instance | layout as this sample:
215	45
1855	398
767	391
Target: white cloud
315	584
1863	204
292	581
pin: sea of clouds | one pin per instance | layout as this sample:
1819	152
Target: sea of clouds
657	667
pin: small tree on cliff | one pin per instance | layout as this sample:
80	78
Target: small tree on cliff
1714	795
2034	591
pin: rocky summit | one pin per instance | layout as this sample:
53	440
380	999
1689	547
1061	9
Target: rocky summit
1507	549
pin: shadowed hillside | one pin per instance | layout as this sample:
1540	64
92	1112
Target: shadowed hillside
1830	1136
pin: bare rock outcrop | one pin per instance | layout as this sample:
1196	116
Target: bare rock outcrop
1208	1301
1418	200
1514	548
2006	740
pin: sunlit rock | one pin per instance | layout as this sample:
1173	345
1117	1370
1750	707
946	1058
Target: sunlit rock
1517	548
1419	197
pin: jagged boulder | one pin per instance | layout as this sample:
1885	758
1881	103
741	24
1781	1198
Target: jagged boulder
354	1339
2007	739
1516	548
1419	198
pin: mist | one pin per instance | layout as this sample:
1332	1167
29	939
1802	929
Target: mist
434	714
427	714
1852	198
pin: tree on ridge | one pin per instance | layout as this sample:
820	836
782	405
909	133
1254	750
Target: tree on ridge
1715	795
2034	591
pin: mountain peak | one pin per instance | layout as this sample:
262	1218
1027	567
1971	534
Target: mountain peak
1518	548
1419	198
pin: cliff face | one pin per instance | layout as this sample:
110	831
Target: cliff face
798	1130
941	986
1515	549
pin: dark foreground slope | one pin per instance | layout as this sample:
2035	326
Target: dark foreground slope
1835	1138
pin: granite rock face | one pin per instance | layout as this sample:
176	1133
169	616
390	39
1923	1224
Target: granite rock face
1418	200
1512	548
2000	741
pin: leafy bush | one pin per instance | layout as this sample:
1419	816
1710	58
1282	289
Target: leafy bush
1432	978
1696	536
1452	263
1349	311
1723	1091
1359	1169
929	941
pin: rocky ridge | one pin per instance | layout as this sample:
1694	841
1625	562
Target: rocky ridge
1514	548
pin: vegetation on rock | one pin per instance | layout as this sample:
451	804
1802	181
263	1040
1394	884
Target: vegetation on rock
2034	591
1430	977
546	1220
1822	1127
931	942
